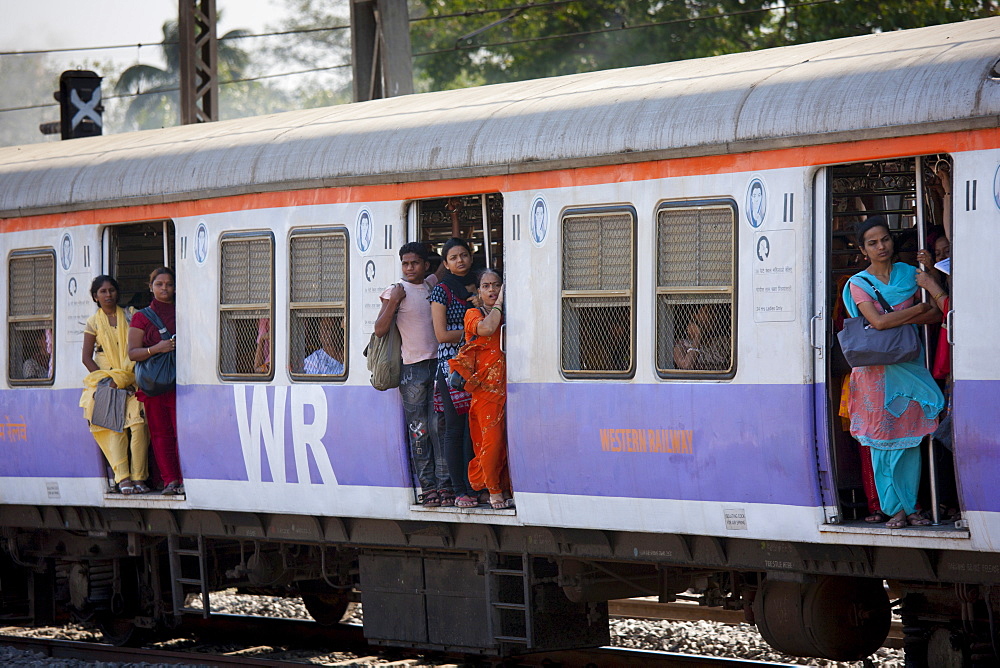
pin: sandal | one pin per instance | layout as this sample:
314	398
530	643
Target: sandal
896	523
501	503
916	520
173	488
126	487
466	501
877	517
430	500
140	488
447	498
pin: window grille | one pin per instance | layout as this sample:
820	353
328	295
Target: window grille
246	306
598	297
31	309
694	290
317	306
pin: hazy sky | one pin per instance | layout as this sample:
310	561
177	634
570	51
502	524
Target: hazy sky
46	24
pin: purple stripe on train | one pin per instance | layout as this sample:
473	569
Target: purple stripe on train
706	442
44	435
703	442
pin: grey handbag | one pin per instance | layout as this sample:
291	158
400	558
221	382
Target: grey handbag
863	345
385	359
109	406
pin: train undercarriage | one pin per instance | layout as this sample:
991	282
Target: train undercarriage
486	589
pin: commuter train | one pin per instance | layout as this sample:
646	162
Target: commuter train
622	207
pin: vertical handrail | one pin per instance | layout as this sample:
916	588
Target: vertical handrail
166	245
486	233
921	243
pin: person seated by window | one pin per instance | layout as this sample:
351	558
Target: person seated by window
38	354
707	346
262	354
329	359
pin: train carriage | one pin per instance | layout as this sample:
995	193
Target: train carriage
621	206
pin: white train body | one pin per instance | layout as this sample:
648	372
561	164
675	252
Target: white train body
743	453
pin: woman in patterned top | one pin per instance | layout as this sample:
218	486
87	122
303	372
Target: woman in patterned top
450	299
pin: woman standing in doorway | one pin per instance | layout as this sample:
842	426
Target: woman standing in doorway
450	299
105	354
484	366
144	341
893	406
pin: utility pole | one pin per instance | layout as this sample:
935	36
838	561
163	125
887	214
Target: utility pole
199	50
380	49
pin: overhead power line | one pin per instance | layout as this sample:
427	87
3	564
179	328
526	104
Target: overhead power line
498	10
174	89
623	27
297	31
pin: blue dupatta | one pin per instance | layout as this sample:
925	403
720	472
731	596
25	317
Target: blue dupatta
907	381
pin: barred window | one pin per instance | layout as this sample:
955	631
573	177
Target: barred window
598	296
317	306
31	314
695	277
246	306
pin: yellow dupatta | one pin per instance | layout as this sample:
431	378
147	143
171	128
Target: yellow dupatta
114	344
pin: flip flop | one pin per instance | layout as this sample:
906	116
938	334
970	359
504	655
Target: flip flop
140	488
466	501
172	489
915	520
897	523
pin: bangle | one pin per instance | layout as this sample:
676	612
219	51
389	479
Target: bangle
939	296
498	308
148	354
694	350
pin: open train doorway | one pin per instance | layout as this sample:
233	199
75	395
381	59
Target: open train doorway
134	250
476	218
912	196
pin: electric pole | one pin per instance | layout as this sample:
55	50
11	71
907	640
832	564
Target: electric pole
380	49
199	50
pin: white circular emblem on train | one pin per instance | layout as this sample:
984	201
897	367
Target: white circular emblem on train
539	220
364	229
756	204
66	251
201	243
996	187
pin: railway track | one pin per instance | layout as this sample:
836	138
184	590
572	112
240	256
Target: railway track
604	656
228	639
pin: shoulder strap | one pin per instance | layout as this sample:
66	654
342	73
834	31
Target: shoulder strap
878	295
447	292
155	319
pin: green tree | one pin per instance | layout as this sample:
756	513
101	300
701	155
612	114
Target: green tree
156	101
814	23
456	43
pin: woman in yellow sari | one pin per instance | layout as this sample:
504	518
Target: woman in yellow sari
106	334
483	364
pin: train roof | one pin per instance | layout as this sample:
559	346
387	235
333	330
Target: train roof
888	84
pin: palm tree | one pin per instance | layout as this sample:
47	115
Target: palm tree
158	105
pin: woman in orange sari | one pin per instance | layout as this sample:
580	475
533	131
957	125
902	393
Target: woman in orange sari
483	365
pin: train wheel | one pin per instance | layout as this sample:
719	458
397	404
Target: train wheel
326	609
121	631
830	617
